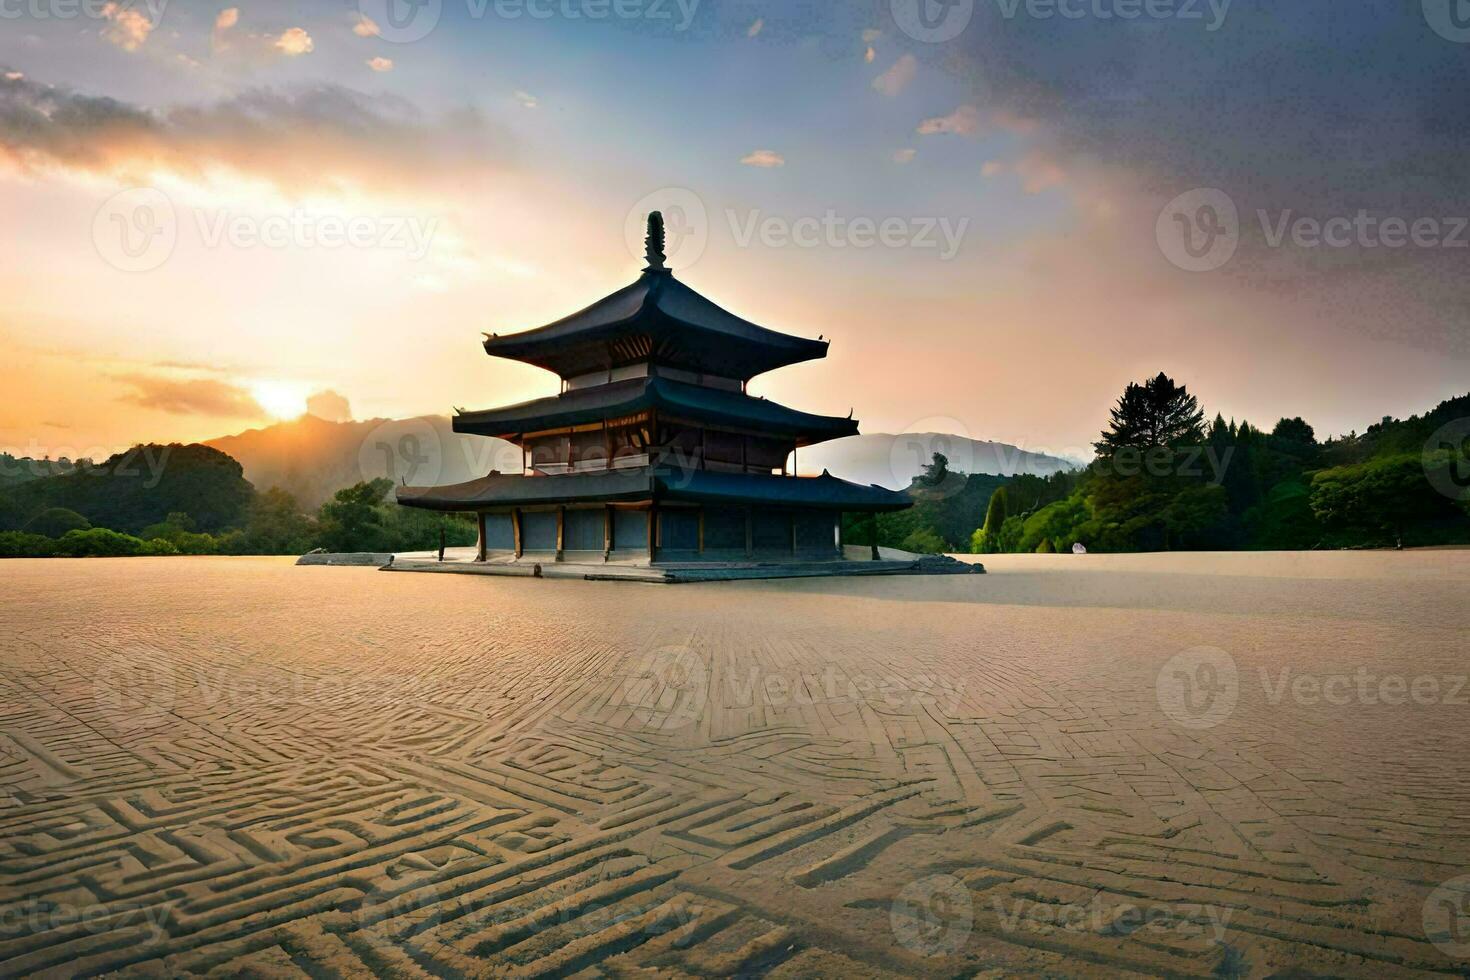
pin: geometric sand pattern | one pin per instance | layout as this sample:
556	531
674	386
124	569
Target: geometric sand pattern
240	767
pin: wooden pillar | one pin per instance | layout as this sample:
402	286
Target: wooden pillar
607	532
480	524
875	535
750	532
793	534
561	533
515	524
701	530
653	532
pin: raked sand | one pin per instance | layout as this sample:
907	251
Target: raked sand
1157	765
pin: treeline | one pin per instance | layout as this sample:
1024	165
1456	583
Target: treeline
194	500
1164	479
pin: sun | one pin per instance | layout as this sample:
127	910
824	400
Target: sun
280	399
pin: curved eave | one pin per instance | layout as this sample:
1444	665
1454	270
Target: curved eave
708	406
823	492
514	490
660	319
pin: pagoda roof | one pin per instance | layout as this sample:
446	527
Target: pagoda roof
825	492
697	403
656	319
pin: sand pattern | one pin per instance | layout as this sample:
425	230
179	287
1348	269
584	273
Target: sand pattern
240	767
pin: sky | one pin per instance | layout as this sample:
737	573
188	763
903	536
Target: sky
998	211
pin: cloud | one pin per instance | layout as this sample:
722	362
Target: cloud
764	159
755	28
330	406
380	64
871	34
964	121
905	155
196	396
294	41
227	18
526	99
897	77
127	28
870	55
992	168
365	26
314	137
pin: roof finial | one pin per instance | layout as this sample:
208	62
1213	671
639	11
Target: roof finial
655	243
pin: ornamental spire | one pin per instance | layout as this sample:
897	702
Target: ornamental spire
655	243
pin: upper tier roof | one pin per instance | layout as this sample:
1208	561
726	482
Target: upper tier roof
710	406
656	319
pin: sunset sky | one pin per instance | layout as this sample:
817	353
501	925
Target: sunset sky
212	212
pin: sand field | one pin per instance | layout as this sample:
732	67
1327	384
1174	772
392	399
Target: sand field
1196	765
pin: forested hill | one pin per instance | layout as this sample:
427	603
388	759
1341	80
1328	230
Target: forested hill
137	488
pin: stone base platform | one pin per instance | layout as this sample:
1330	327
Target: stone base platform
460	561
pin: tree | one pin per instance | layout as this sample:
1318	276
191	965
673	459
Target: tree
353	520
996	513
275	525
53	522
935	470
1155	413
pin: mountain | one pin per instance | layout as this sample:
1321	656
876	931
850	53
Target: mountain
894	460
312	459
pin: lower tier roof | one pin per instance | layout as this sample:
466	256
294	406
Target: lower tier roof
630	486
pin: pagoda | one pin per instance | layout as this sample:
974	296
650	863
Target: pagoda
654	452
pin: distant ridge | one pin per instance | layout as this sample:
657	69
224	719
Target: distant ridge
312	458
893	461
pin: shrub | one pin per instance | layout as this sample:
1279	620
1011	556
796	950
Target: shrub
53	522
20	544
98	542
